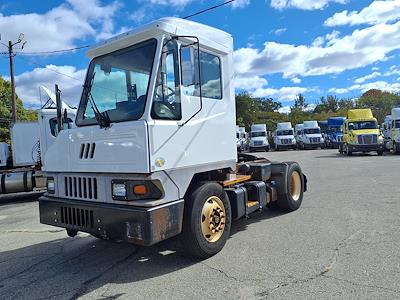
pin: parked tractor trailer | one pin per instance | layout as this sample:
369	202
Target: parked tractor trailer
361	133
393	130
21	162
155	157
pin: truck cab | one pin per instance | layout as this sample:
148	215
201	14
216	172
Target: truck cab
152	155
259	138
297	134
361	133
284	137
334	135
393	130
244	141
311	137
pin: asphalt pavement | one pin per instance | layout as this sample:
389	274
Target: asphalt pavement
342	243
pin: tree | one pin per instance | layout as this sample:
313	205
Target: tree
268	104
246	109
300	102
380	102
5	110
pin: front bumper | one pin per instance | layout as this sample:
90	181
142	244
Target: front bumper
286	146
365	148
137	225
313	146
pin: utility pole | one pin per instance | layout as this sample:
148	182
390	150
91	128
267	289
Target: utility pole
11	57
13	98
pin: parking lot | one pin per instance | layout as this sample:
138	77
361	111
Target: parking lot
342	243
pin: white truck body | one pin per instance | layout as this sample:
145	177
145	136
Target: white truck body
259	137
393	130
311	136
4	154
25	143
284	136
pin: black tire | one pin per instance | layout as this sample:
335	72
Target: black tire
291	201
396	148
194	241
267	149
347	151
379	152
71	232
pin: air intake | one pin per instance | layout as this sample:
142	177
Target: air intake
80	187
87	151
77	217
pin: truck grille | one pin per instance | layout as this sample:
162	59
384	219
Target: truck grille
77	217
258	143
315	140
339	138
80	187
367	139
286	141
87	150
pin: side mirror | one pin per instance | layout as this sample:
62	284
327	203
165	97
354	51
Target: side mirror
351	127
188	66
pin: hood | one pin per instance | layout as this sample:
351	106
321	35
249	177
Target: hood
281	137
366	131
259	138
313	135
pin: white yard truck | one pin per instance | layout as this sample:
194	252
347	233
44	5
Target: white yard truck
259	138
152	155
393	131
4	154
311	137
284	137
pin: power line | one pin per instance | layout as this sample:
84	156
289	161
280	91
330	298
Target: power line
53	51
208	9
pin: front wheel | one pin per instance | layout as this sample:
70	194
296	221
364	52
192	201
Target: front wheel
293	196
267	149
379	152
207	220
347	151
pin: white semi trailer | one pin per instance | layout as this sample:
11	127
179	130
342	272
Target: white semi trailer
153	154
29	143
393	131
284	137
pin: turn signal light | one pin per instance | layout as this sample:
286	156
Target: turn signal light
140	189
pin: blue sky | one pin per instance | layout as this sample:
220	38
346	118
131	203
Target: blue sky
282	47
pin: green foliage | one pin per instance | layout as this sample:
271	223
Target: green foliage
255	110
23	114
380	102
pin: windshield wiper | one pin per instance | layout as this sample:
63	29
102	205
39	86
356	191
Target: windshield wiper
102	118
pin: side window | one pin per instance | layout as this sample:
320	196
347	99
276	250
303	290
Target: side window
210	70
166	102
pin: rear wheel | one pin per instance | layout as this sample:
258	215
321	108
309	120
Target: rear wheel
267	149
293	196
396	148
207	220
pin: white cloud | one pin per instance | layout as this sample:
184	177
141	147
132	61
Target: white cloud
61	26
304	4
279	31
359	49
250	83
282	94
374	68
28	83
367	77
296	80
284	110
240	3
379	85
377	12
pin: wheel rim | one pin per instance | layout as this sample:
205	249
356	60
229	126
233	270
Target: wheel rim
295	185
213	219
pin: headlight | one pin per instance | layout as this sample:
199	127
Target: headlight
119	190
51	186
128	190
322	140
293	141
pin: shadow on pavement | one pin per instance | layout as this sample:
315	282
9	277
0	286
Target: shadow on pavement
20	197
68	268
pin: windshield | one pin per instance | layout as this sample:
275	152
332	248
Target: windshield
335	129
258	133
285	132
237	135
118	83
364	125
312	130
397	124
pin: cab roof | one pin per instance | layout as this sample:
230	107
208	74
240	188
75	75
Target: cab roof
211	37
360	114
